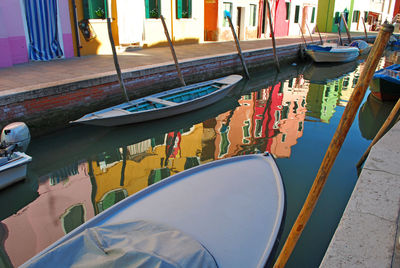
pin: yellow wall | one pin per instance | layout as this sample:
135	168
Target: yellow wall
101	44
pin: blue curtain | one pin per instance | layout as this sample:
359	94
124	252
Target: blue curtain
41	17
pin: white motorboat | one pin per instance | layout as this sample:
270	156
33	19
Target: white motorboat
332	53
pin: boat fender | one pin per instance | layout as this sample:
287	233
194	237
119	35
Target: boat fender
16	134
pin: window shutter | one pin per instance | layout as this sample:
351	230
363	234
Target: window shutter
189	8
85	6
146	4
313	15
178	9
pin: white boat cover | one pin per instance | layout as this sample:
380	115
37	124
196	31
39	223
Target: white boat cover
129	244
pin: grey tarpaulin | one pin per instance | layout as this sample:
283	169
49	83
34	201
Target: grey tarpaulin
129	244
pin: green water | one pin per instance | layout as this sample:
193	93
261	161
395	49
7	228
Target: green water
80	171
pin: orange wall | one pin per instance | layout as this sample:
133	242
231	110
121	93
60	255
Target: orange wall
210	20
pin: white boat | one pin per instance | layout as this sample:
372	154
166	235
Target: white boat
13	168
232	209
164	104
334	53
362	46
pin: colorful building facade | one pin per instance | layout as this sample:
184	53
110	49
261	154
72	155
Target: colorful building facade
24	37
329	14
302	17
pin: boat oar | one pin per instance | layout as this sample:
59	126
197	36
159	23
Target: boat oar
336	143
228	16
171	46
320	38
380	133
365	30
273	37
116	63
347	28
340	34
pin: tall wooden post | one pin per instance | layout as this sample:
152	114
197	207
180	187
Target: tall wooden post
320	38
228	16
340	34
171	46
273	37
309	32
365	30
336	143
347	28
116	63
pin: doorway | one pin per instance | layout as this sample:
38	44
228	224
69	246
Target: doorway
240	27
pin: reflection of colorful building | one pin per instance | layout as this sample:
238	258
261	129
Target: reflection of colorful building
349	84
322	99
59	209
291	120
129	170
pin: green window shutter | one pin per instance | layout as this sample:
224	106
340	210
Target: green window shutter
287	10
189	8
296	14
178	9
147	5
313	15
85	6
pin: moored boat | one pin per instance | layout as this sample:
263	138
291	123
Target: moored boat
385	84
164	104
233	208
333	53
362	46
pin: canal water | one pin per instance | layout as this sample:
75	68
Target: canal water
81	171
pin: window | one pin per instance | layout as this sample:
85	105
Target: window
227	7
183	9
365	15
153	9
337	17
296	14
253	12
72	218
94	9
287	10
313	15
356	15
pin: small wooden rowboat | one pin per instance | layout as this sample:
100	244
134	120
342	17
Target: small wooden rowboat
231	209
164	104
332	53
13	168
385	84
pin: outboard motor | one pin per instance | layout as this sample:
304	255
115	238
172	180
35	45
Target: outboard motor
16	135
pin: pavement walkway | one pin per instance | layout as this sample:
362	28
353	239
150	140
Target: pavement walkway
35	75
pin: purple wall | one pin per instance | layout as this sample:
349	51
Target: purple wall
13	47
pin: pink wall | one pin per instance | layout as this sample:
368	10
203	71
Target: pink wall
281	24
38	225
63	8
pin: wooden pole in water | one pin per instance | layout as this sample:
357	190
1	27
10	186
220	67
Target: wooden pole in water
273	37
365	30
320	38
116	63
380	133
336	143
228	15
302	35
171	46
347	28
308	29
340	34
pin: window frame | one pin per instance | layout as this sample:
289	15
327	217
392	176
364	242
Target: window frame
297	14
152	13
181	8
225	22
89	12
288	5
253	20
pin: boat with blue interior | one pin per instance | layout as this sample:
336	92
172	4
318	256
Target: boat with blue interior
331	52
385	84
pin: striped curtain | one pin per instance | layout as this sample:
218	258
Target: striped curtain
41	18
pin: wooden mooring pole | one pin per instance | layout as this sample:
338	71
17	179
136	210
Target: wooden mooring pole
336	143
380	133
347	28
273	38
302	36
365	30
171	46
340	34
228	16
116	63
309	32
320	38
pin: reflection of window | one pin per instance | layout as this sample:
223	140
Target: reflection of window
283	137
72	218
313	15
258	130
253	12
227	7
224	145
300	126
285	111
153	8
287	10
94	9
356	15
111	198
246	129
157	175
246	97
296	14
183	9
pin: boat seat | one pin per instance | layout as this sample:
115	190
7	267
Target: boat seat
160	101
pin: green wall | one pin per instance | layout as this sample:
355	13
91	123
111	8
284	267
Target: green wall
326	14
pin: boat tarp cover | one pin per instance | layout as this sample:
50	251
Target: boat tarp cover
391	74
129	244
318	48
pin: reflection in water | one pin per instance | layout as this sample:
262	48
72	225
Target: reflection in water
82	171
